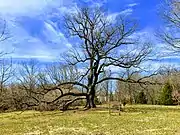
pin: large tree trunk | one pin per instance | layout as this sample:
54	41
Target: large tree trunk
90	100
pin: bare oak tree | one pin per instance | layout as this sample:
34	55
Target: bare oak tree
102	44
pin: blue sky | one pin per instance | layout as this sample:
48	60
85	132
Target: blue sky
36	26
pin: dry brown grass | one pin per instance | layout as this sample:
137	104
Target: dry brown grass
136	120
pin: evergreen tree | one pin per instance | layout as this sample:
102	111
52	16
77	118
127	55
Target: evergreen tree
141	98
166	95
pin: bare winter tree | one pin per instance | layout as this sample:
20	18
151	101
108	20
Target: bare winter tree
125	90
102	45
171	15
6	72
103	89
58	73
4	35
27	78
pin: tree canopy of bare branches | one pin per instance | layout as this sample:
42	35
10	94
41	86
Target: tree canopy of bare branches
171	15
102	44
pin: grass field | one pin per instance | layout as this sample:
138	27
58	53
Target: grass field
135	120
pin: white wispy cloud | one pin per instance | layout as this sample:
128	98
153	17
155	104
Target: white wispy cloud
22	6
126	12
133	4
113	16
47	44
33	32
29	7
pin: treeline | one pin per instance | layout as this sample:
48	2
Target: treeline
30	87
166	93
30	84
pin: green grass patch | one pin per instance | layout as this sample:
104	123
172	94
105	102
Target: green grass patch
135	120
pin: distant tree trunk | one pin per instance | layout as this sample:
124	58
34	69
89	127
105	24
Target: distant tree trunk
131	100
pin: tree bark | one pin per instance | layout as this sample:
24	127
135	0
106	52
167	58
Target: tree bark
90	100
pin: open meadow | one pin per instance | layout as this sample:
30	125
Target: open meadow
135	120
